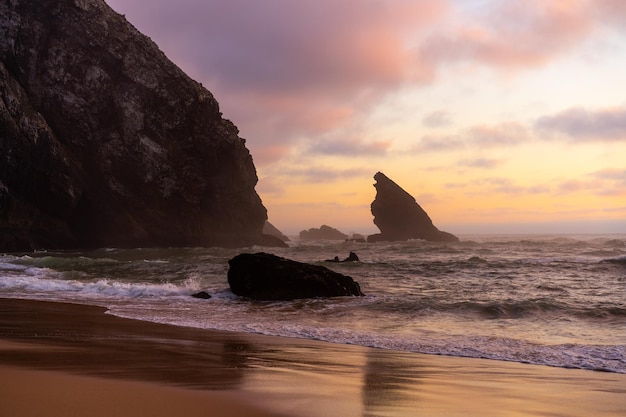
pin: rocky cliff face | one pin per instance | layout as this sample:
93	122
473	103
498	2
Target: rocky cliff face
399	217
105	142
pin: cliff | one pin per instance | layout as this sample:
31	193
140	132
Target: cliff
399	217
270	229
105	142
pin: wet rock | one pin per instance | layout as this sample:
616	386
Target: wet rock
399	217
264	276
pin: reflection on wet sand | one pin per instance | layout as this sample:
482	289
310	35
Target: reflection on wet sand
295	377
83	340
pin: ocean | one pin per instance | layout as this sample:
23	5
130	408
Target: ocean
557	300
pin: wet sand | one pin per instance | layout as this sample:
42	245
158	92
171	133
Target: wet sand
64	359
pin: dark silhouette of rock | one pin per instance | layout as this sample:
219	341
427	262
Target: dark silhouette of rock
323	233
263	276
352	257
399	217
357	238
105	142
202	295
270	229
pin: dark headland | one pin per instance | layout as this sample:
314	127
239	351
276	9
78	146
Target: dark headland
106	142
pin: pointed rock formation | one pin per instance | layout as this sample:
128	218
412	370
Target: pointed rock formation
105	142
399	217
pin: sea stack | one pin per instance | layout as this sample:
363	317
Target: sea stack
399	217
106	142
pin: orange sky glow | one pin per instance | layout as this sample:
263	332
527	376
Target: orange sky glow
498	117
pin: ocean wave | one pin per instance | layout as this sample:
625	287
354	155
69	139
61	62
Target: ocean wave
57	262
620	260
534	300
37	281
608	358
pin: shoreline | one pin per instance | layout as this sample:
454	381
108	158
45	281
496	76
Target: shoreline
47	347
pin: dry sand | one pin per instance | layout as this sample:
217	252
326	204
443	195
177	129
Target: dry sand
72	360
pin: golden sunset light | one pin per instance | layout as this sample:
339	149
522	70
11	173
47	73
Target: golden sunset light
496	116
310	208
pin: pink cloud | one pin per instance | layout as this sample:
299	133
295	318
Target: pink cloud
437	118
478	137
270	185
319	174
288	46
579	124
350	147
514	34
284	69
485	163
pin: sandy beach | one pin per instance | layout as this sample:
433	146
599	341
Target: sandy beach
73	360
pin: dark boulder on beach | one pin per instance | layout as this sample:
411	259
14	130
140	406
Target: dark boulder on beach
399	217
323	233
105	142
263	276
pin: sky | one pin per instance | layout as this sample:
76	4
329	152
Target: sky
497	116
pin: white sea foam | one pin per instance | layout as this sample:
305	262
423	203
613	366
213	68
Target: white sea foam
558	302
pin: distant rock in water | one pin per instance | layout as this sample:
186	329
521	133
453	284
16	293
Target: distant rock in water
270	229
263	276
356	237
352	257
323	233
399	217
105	142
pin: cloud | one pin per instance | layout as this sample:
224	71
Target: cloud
502	186
350	147
438	118
438	143
314	174
611	11
284	70
485	163
498	185
500	135
285	46
515	34
612	180
615	174
270	185
580	125
505	135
